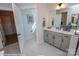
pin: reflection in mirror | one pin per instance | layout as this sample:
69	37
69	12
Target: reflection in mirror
75	21
56	21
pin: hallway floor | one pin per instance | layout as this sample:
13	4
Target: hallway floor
12	50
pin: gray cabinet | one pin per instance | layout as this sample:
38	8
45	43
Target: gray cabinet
57	41
51	37
46	36
65	42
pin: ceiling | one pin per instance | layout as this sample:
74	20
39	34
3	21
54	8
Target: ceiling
53	5
33	5
5	6
26	5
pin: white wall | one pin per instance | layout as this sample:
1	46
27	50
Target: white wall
52	12
51	15
42	12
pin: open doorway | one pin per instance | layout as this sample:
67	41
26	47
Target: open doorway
9	31
63	19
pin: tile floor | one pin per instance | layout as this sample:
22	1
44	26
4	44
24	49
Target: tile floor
31	48
44	49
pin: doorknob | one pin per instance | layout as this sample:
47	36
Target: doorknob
18	34
31	31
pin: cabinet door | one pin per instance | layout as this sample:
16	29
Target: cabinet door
57	41
65	42
51	37
45	36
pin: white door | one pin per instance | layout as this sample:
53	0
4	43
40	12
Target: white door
19	25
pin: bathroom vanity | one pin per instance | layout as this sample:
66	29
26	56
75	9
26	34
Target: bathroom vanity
63	40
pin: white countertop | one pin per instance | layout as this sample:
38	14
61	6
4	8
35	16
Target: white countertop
60	31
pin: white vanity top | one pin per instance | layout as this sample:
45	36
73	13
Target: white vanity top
60	31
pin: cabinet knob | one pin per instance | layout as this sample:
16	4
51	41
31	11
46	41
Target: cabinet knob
62	39
54	37
65	36
18	34
47	35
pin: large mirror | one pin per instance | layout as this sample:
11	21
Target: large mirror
75	21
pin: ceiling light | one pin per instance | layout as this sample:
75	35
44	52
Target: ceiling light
60	5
